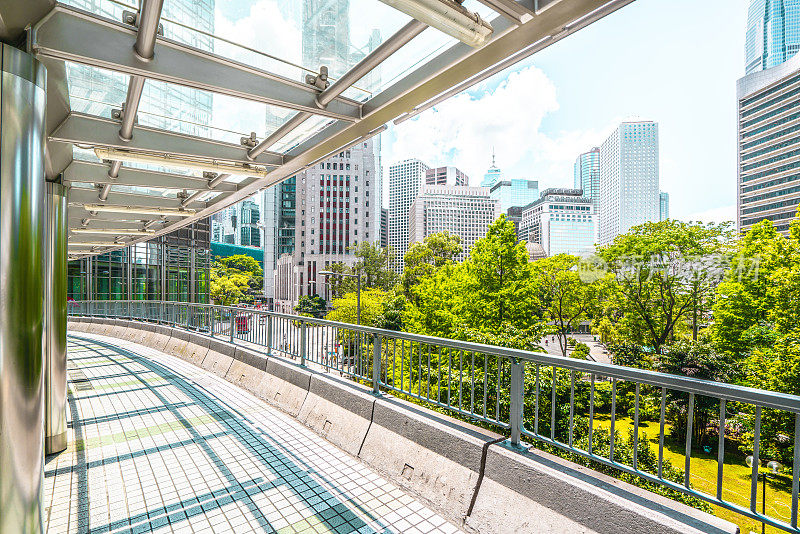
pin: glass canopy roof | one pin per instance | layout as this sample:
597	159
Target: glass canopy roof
235	92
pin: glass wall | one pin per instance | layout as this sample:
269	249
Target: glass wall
175	267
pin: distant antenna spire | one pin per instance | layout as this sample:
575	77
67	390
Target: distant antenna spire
492	156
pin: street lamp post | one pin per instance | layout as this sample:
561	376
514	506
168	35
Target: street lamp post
358	289
773	467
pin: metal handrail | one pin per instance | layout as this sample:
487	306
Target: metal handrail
476	381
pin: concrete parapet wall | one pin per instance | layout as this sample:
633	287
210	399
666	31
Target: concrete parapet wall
247	369
468	474
560	496
284	385
338	410
219	357
436	457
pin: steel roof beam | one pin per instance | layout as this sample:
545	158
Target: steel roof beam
82	195
144	48
87	172
84	129
71	34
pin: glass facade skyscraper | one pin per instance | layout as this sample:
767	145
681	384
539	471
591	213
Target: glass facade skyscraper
629	179
514	193
405	180
773	33
587	175
768	185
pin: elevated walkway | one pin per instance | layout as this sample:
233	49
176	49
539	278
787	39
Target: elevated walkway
236	435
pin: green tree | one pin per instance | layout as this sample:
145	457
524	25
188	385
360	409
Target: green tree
498	288
345	307
228	289
663	272
422	259
562	297
745	300
373	264
244	265
311	306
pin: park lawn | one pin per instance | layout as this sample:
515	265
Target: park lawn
703	476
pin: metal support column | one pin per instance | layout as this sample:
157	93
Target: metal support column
22	185
55	319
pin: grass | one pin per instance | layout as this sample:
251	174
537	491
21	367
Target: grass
735	476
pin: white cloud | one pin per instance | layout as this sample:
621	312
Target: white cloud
463	130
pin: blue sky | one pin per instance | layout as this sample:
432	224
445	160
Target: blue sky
674	62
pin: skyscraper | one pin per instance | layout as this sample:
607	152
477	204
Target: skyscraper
464	211
769	162
629	179
587	175
514	193
405	179
493	175
773	33
238	225
663	203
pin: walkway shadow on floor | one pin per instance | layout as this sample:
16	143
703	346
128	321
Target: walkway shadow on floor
310	490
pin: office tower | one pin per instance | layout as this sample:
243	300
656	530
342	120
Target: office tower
238	225
629	192
338	206
663	203
445	176
773	33
516	192
464	211
493	175
562	221
384	227
405	179
587	175
339	218
769	162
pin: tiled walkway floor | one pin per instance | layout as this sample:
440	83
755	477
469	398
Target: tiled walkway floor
157	444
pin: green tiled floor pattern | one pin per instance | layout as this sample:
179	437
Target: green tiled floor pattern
157	444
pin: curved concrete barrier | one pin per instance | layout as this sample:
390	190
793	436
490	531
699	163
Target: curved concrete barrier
436	457
247	369
219	358
195	348
559	496
339	410
159	338
284	385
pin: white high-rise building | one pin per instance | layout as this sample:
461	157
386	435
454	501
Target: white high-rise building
464	211
405	179
629	183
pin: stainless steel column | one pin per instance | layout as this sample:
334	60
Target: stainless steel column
55	319
22	109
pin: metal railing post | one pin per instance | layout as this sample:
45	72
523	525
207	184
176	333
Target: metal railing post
211	320
188	312
376	364
302	342
233	322
516	399
269	335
